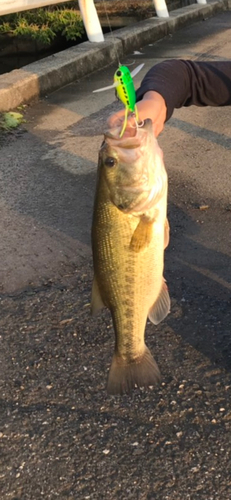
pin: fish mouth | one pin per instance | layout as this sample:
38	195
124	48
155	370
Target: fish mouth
130	138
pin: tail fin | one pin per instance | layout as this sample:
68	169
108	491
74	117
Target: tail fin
123	377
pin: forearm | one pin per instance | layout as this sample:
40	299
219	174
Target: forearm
183	83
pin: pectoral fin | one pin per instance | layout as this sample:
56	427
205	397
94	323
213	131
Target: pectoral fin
161	308
96	300
142	235
166	233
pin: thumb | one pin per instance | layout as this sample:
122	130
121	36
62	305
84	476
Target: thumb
116	119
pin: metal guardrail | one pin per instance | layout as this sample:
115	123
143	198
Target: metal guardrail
10	6
87	8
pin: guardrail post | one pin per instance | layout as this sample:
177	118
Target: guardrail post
161	8
91	21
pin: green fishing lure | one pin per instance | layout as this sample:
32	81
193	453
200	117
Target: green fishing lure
125	91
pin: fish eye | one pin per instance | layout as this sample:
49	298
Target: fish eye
118	73
110	161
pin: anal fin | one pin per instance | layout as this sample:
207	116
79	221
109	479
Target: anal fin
161	307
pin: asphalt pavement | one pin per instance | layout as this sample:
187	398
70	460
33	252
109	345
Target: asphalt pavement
61	436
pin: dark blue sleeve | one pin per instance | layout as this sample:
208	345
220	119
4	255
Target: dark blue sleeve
183	83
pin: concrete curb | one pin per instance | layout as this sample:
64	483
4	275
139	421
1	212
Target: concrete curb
45	76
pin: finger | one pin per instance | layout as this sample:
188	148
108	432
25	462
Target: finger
116	118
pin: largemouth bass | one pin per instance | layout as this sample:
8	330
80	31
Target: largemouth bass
129	234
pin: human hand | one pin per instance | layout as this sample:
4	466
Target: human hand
151	106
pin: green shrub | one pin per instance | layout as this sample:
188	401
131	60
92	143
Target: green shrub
44	24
